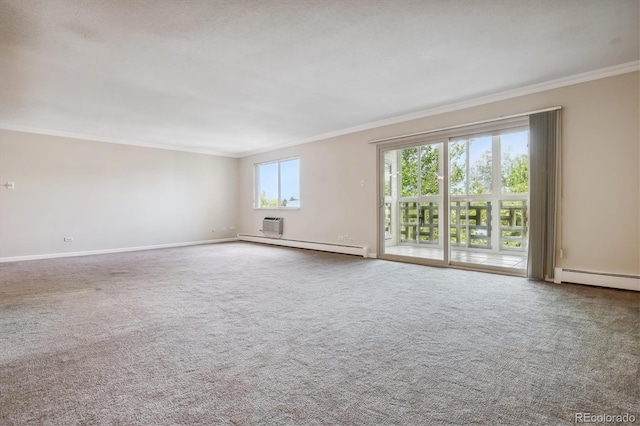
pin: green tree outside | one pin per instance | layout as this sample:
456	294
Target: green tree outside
515	174
267	202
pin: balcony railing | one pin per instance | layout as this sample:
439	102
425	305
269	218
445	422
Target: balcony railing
473	224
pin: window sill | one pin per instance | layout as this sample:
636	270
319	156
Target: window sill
276	208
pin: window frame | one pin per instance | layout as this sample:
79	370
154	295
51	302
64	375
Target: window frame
256	184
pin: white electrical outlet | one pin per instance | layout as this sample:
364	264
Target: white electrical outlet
68	239
232	227
340	238
224	228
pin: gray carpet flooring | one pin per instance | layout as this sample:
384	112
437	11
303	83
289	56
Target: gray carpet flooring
247	334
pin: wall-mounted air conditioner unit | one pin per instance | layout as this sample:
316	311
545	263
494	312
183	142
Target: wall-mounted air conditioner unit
272	227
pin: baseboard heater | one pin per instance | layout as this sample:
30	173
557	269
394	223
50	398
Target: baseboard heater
601	279
333	248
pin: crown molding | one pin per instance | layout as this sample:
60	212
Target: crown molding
483	100
72	135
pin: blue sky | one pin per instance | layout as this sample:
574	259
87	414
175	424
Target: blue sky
269	179
290	179
515	143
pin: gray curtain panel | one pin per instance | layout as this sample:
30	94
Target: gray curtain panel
543	176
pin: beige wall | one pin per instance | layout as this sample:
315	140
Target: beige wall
600	222
108	196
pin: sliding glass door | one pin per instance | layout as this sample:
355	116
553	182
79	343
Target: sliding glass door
413	201
489	199
462	201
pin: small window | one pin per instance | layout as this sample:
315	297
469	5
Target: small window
278	184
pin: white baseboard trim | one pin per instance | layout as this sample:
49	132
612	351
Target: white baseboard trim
333	248
600	279
108	251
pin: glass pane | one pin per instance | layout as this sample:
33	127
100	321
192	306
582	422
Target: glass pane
429	170
480	165
410	172
387	221
458	172
268	185
388	173
290	183
412	226
514	163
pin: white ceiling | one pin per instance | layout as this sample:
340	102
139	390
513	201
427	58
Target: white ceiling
241	76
